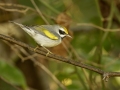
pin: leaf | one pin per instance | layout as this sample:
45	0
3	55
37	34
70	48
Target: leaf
12	74
87	11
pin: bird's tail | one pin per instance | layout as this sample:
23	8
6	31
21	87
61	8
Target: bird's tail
17	23
25	28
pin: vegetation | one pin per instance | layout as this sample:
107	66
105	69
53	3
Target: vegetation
88	61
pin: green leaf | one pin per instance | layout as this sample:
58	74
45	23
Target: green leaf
12	74
87	11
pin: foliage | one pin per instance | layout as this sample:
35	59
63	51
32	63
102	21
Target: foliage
93	24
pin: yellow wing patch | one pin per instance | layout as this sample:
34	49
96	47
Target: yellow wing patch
50	35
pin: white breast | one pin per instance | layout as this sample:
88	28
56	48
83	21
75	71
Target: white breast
44	41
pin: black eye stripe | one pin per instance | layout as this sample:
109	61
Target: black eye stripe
61	32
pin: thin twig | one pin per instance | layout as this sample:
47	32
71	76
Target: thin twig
98	27
39	12
15	87
17	9
14	10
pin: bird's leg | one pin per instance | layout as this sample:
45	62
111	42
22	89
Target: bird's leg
36	48
48	52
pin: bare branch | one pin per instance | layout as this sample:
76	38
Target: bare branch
18	8
106	75
98	27
39	12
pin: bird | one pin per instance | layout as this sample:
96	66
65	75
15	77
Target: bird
45	35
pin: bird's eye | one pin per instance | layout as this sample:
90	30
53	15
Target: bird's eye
61	32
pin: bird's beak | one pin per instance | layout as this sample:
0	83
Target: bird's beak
69	36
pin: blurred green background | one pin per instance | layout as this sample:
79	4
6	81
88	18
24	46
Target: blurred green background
94	26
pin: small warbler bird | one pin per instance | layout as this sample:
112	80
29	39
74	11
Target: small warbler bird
45	35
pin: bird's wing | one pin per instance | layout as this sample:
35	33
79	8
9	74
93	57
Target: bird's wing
46	31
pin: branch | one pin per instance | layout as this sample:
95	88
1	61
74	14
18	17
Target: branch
98	27
18	8
39	12
106	75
